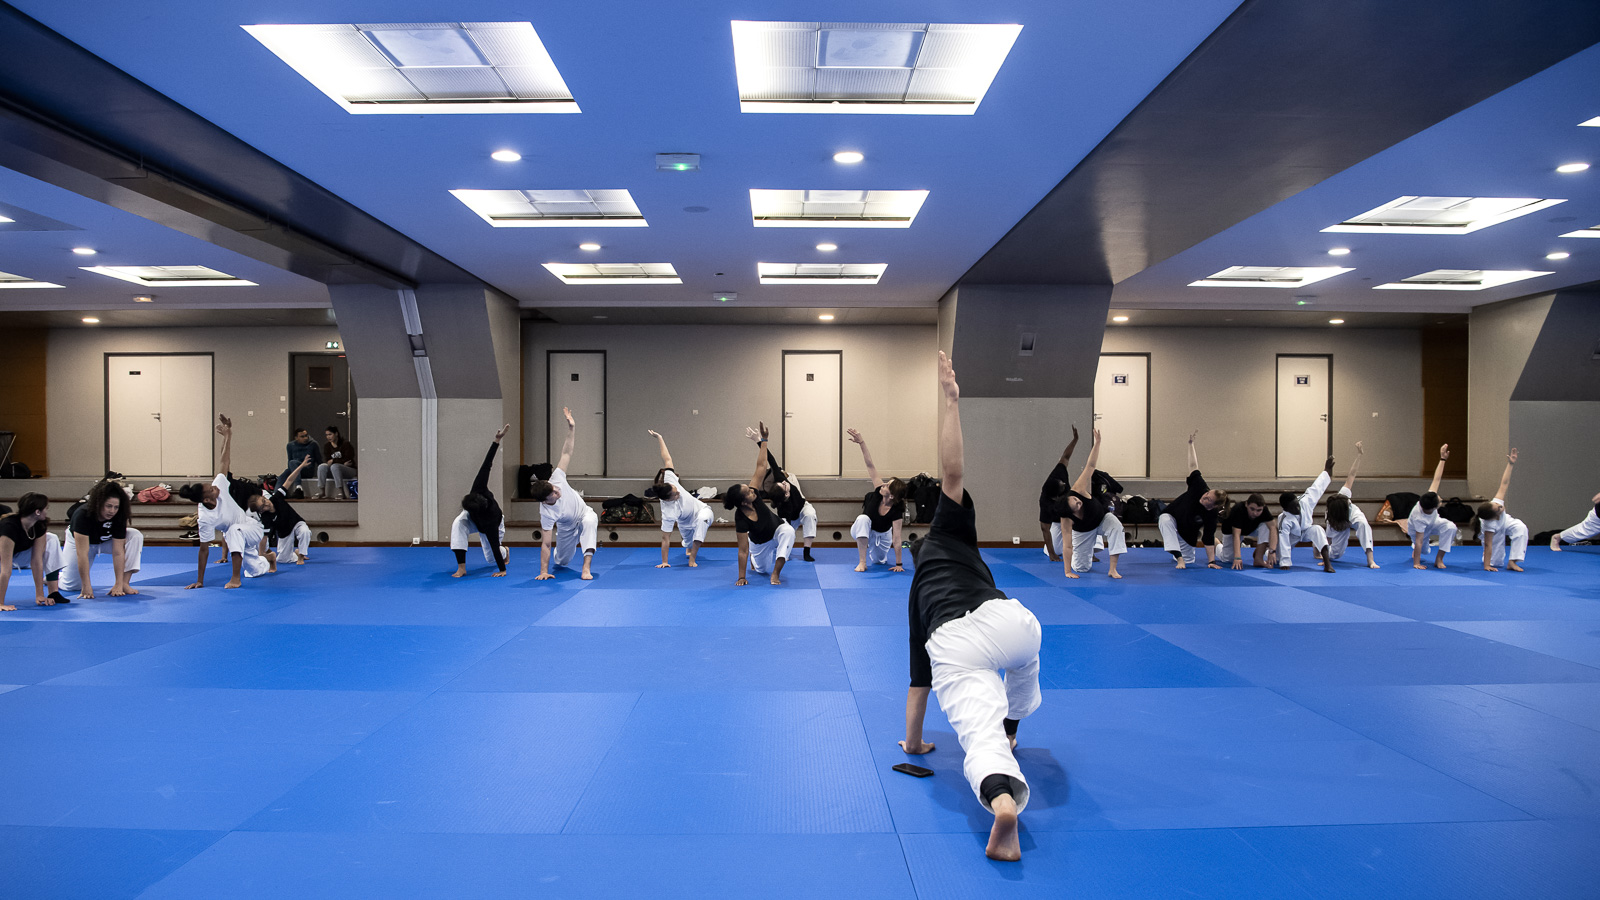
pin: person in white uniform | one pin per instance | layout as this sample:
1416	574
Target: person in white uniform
224	519
679	509
567	522
1588	528
1089	521
964	632
1346	520
101	524
1295	523
26	542
1505	540
765	540
883	509
1425	522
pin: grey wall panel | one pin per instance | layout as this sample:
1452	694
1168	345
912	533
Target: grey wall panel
1501	336
1066	320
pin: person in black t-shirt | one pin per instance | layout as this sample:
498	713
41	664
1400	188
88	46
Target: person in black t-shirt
1050	495
764	539
26	541
1191	520
1088	519
790	503
102	524
1249	521
963	630
282	523
883	509
481	514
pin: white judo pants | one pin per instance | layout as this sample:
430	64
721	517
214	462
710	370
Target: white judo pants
1588	528
22	557
1292	529
570	537
806	525
1108	535
245	540
1359	528
696	530
764	557
1170	540
133	546
879	543
1513	536
1262	536
1443	529
462	530
966	654
1055	540
299	540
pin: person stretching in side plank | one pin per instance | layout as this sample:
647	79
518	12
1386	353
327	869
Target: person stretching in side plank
26	541
680	508
883	509
1345	519
791	505
1295	523
1050	496
964	630
224	519
764	539
1191	520
568	522
1087	519
1248	521
1425	521
284	526
1505	540
481	515
1588	528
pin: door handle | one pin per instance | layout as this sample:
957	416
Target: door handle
341	414
788	415
1099	416
1324	417
156	416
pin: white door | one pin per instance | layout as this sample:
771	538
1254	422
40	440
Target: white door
159	415
1122	413
578	382
812	433
1304	429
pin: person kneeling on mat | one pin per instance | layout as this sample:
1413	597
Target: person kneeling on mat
566	520
1425	521
963	631
102	520
26	541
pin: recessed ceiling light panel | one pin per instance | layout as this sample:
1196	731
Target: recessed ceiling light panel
1572	168
867	67
614	273
7	280
170	276
1441	215
1269	276
430	67
507	156
1593	232
553	209
843	209
820	273
1458	280
84	251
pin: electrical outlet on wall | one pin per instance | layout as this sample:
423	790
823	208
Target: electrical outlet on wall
1015	539
250	412
415	541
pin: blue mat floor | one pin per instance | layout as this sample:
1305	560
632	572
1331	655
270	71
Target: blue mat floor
366	727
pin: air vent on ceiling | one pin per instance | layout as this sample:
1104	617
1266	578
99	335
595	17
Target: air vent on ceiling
867	67
1458	280
553	209
614	273
820	273
1441	215
835	209
1269	276
7	280
1591	232
430	67
170	276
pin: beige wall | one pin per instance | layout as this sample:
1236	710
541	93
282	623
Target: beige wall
1223	382
1501	336
250	371
657	375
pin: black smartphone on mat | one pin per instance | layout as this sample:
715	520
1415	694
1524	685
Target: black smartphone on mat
916	771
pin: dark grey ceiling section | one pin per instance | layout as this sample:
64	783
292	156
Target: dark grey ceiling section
73	120
1284	94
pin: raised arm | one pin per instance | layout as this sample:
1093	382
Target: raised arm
760	437
952	454
566	445
1066	455
1438	471
661	444
1086	477
225	428
1194	458
1505	480
480	485
866	455
1350	480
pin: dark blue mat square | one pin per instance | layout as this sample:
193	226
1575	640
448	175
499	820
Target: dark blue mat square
91	863
1110	656
1474	604
605	607
866	606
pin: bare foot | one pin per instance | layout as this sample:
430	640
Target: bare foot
231	585
1418	566
693	564
14	609
1004	844
460	572
1116	574
862	567
586	576
1438	564
775	580
498	573
300	558
1181	565
1555	542
1514	567
1072	574
1327	567
1372	565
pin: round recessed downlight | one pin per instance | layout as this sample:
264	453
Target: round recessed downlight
1119	318
1570	168
1335	321
848	157
505	156
1559	254
84	251
90	320
827	248
1339	251
826	317
589	245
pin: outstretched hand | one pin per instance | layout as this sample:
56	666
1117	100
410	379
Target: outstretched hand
763	427
507	427
653	433
1512	456
1444	451
947	378
1074	430
1096	434
752	434
855	436
1359	451
1193	434
568	413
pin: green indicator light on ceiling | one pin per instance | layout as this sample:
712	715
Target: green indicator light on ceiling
1299	303
682	167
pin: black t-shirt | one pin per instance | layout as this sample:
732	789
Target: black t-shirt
11	526
1191	517
94	531
789	508
1240	518
487	522
241	490
872	502
951	579
1048	514
281	521
1090	514
762	528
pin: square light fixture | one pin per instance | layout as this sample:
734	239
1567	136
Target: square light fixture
1590	232
820	273
842	209
1269	276
553	209
867	67
677	162
7	280
614	273
430	67
5	219
1591	123
1457	280
170	276
1441	215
